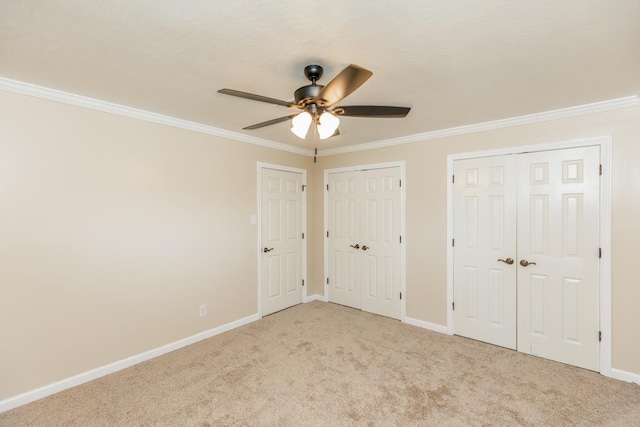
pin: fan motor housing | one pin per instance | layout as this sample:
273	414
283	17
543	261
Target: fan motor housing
307	94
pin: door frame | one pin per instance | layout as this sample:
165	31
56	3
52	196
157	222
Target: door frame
605	145
260	166
402	165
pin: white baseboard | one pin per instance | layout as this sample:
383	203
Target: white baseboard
629	377
426	325
614	373
48	390
315	297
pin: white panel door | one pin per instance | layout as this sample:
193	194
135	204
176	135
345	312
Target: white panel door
281	231
344	235
380	242
558	217
364	250
485	249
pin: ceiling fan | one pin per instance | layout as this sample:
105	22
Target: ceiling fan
317	102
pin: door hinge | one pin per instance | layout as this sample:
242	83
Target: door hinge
303	235
400	239
302	282
400	183
453	179
453	243
400	295
453	306
327	187
600	169
327	233
599	336
327	280
303	187
599	252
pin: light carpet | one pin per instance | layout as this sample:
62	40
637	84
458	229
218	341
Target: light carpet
322	364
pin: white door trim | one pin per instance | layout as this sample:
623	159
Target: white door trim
260	167
605	144
403	268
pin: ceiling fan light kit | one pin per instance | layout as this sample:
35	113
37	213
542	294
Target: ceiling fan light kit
300	124
327	125
317	102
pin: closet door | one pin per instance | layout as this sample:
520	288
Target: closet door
364	248
380	242
558	291
485	249
345	194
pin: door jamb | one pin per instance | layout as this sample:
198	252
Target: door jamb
605	145
403	268
260	166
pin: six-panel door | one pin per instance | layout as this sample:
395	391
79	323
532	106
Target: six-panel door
558	217
380	233
281	223
344	234
484	249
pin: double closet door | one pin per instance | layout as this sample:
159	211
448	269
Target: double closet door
364	255
526	253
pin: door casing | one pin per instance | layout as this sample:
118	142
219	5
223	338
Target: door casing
260	167
355	168
604	143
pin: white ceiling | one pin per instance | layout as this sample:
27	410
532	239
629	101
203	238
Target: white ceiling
454	62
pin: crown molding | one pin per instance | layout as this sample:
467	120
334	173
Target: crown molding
121	110
580	110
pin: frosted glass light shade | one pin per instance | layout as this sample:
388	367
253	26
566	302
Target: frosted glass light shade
328	125
300	124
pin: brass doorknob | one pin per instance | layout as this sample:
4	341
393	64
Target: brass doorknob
507	261
524	263
357	246
365	247
265	250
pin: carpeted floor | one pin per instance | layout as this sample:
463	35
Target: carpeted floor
322	364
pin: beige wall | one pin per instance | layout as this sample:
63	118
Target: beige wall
112	232
426	221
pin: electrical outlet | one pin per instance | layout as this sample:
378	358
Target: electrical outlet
203	310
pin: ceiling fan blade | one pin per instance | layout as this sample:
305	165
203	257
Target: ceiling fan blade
380	111
270	122
349	79
260	98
